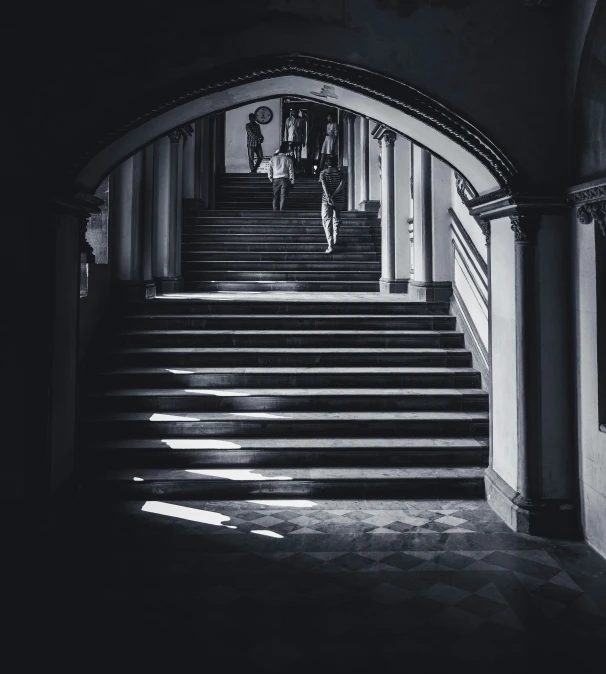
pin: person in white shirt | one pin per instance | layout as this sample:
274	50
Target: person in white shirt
282	174
330	142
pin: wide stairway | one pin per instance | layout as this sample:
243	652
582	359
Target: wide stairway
258	251
233	398
253	191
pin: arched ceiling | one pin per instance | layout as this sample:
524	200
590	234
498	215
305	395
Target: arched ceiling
384	99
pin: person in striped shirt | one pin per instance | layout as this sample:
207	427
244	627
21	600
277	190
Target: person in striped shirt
332	180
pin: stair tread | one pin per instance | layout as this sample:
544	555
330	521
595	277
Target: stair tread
292	392
254	474
291	443
289	350
268	417
292	370
177	317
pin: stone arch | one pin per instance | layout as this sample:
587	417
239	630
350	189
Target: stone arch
398	105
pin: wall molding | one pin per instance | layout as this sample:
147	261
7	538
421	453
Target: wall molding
460	229
590	202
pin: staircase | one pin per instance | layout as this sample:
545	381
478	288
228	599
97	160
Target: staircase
279	250
233	398
253	191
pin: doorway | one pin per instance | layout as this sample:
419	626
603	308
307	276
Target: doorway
313	119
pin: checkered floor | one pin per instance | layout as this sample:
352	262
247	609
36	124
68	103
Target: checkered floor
329	586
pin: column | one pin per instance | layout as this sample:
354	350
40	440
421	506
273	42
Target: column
364	163
441	236
403	150
201	162
525	228
388	282
166	213
189	166
351	163
421	287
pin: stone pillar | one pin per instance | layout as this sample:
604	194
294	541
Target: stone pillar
351	163
441	236
403	152
128	233
423	272
201	162
525	229
388	282
365	202
167	228
189	165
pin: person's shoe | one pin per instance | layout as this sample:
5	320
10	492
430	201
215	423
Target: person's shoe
328	250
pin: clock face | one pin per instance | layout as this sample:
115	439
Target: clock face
264	114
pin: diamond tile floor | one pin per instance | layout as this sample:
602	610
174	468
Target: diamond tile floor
307	586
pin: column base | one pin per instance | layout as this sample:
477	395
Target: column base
135	291
369	206
169	284
430	291
393	286
547	517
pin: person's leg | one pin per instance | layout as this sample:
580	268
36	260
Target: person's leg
326	223
283	191
276	199
259	154
251	158
336	222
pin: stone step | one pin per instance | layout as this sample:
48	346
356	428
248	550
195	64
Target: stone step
289	399
297	321
275	305
228	256
285	377
283	286
295	357
366	483
236	275
180	424
287	248
297	452
282	229
274	237
324	265
269	215
179	329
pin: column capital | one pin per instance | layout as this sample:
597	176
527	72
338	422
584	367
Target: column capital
485	227
390	138
174	136
525	226
593	212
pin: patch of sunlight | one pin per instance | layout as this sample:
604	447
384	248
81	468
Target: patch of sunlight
201	444
185	513
237	474
265	532
179	371
259	415
286	503
171	417
211	392
137	479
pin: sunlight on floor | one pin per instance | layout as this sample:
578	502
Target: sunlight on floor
185	513
236	474
201	444
259	415
171	417
179	371
265	532
212	392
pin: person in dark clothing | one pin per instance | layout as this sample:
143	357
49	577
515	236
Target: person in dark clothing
282	174
254	140
332	181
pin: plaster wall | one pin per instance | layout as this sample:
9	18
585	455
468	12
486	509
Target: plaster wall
469	223
236	152
504	370
591	441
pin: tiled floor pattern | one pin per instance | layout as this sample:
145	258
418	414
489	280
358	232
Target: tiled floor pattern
328	586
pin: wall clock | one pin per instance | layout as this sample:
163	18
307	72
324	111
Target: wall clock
264	115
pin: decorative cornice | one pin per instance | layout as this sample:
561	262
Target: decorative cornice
377	86
525	227
80	204
590	200
504	203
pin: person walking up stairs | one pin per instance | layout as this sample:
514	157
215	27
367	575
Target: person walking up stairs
332	181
